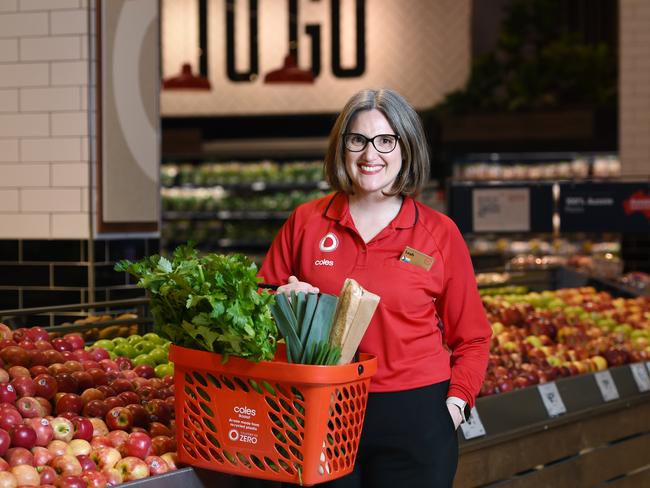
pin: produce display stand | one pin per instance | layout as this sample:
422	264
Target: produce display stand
593	443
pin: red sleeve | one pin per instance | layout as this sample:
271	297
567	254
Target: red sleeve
467	330
278	262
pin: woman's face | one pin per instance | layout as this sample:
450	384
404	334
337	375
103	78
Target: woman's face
372	171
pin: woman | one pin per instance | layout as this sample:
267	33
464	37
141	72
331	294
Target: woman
429	333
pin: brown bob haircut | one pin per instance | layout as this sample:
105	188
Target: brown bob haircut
407	125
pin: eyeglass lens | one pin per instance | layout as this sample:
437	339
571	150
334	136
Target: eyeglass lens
383	143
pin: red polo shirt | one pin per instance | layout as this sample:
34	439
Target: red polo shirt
320	245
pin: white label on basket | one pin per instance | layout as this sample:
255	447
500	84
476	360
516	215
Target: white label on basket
243	427
552	399
640	376
473	427
607	386
647	365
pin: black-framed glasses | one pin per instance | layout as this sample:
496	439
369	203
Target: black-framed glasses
383	143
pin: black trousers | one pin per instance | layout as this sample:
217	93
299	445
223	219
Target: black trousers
408	440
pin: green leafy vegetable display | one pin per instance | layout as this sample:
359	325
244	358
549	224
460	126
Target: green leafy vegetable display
208	302
305	322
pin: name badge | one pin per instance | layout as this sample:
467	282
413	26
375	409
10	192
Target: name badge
417	258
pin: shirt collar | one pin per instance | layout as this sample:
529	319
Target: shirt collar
338	209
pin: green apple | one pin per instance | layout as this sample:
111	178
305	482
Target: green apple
153	337
144	347
159	354
118	340
104	343
126	350
134	338
144	359
165	369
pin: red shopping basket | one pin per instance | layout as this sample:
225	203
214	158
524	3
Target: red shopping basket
272	420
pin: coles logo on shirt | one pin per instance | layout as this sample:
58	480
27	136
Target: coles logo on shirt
327	244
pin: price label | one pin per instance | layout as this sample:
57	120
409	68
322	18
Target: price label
552	399
647	365
473	427
501	209
607	386
258	186
641	377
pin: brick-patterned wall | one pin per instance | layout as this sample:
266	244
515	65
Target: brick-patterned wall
634	83
44	121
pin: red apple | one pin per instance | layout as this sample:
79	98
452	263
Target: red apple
114	401
66	383
81	355
4	466
157	428
83	428
66	465
118	438
87	464
100	441
43	429
162	444
95	408
109	365
26	475
30	407
72	365
99	427
5	441
94	479
7	393
138	445
61	344
84	380
14	356
47	474
140	415
119	418
123	363
63	429
18	372
46	386
19	455
171	458
157	465
99	378
105	457
79	447
70	482
89	364
45	403
8	480
43	345
23	436
58	448
70	402
145	370
9	418
132	468
113	476
98	353
42	456
36	334
75	339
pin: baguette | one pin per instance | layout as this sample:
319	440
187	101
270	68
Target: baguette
349	300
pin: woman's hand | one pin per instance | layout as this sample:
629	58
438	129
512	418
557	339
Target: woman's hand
295	285
456	416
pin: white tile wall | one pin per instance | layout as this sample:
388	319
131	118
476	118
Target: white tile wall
24	175
44	162
48	4
8	150
70	124
70	226
50	48
25	226
8	5
50	200
8	50
634	87
49	99
8	100
9	201
54	149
